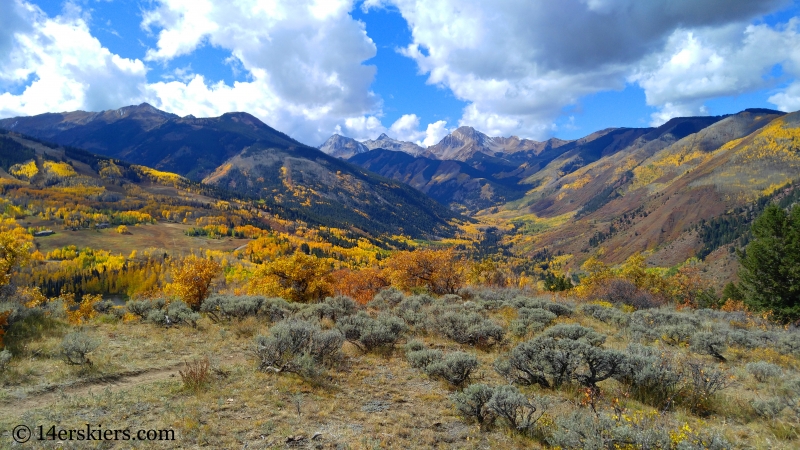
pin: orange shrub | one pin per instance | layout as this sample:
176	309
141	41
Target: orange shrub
191	280
438	271
361	285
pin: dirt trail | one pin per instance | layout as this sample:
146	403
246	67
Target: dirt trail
113	383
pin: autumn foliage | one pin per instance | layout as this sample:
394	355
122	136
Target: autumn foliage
361	285
79	312
3	325
15	247
437	271
191	280
297	277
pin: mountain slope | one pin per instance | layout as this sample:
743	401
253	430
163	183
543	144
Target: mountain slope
239	153
332	191
387	143
342	147
144	135
653	196
465	142
453	183
519	170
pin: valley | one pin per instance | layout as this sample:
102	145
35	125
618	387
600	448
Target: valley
210	274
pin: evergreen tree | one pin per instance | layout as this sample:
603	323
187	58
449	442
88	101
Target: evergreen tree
770	271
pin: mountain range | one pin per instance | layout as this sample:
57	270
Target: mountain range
238	153
622	189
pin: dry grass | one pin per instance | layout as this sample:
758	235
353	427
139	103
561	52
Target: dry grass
196	374
168	236
220	400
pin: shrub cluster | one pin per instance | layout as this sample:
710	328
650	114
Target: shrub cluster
531	319
76	346
466	327
454	368
175	313
368	333
299	347
623	292
559	309
5	358
583	429
562	354
606	314
652	324
412	310
653	376
485	404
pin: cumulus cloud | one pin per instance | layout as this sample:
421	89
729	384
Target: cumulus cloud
698	65
434	133
406	128
361	128
516	63
789	99
519	63
304	61
58	65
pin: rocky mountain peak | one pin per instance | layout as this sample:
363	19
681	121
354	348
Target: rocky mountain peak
387	143
342	146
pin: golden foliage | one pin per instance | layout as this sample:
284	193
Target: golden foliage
79	312
361	285
25	171
732	305
634	269
687	285
578	183
598	273
489	273
437	271
81	191
109	170
15	248
298	277
59	169
31	297
159	176
192	278
122	229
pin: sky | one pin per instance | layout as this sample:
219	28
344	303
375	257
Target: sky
412	69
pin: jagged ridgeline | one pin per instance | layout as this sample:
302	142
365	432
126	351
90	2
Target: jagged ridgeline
238	155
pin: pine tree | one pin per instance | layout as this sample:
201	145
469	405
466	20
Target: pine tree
770	271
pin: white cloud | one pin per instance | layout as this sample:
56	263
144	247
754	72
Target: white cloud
789	99
434	133
304	61
699	65
69	68
406	128
361	128
519	63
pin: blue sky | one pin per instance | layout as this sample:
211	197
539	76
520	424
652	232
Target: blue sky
412	69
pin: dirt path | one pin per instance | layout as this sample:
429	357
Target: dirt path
113	383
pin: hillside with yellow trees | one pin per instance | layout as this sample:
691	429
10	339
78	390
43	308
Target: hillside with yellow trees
636	288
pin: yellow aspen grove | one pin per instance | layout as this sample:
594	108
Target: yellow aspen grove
192	278
298	277
438	271
15	249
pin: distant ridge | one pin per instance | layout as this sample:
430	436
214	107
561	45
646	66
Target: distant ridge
239	153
